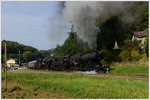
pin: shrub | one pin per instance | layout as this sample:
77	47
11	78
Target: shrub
107	56
110	56
136	56
143	58
124	55
115	55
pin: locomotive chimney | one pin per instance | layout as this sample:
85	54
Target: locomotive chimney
72	28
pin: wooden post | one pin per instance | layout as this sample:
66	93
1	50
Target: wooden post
5	68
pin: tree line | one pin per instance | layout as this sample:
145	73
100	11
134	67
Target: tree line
27	53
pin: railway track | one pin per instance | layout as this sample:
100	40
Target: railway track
138	77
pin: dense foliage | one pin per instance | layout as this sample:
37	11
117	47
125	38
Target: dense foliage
140	13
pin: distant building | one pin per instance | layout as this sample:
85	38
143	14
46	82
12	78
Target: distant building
140	36
12	63
31	64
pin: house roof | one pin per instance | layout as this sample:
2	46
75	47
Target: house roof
12	59
32	61
141	34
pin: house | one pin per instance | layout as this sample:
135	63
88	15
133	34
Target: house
140	36
12	63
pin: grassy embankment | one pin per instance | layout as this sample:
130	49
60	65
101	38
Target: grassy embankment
79	86
130	68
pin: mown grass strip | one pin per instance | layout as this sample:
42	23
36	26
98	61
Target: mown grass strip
81	86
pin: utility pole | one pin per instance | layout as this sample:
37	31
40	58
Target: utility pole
19	58
5	67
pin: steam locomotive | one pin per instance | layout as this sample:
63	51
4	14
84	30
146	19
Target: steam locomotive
81	62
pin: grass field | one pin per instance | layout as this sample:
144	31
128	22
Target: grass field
130	69
78	86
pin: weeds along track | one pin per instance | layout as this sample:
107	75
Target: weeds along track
126	76
138	77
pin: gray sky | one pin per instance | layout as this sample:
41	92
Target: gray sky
29	23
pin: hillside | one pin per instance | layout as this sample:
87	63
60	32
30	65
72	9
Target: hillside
13	49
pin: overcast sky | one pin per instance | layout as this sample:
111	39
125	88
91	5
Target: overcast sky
29	23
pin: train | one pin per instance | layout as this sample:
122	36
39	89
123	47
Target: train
80	62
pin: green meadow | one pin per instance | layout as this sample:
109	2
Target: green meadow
81	86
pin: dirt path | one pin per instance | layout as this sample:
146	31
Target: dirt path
124	76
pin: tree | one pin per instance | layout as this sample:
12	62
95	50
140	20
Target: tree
44	53
72	46
140	14
13	49
28	56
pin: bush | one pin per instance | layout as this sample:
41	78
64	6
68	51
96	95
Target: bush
110	56
107	56
115	55
136	56
143	58
124	55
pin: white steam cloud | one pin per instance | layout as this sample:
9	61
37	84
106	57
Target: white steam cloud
59	26
84	15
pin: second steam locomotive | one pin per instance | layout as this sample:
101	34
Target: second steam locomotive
81	62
